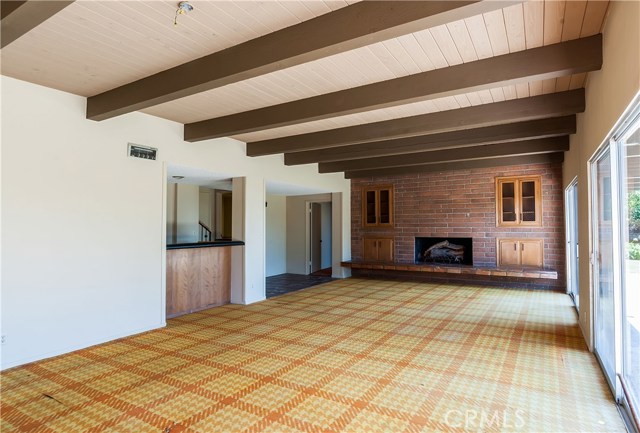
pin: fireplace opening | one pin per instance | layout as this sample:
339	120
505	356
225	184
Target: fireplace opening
454	251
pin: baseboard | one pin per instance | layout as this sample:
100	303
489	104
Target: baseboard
69	349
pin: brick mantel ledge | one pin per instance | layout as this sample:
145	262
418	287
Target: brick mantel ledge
455	269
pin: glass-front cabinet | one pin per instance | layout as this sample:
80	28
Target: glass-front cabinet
377	206
518	201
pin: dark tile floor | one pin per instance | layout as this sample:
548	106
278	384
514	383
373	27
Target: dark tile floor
285	283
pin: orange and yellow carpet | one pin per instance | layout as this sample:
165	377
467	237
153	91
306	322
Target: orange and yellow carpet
352	355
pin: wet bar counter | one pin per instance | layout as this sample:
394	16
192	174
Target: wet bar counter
198	276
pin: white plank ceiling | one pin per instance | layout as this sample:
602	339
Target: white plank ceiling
93	46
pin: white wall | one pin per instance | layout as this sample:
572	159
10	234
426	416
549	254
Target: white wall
187	213
341	233
207	206
276	248
608	91
94	269
254	238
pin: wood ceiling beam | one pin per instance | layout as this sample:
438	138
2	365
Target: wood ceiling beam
19	17
514	148
458	165
345	29
516	110
542	128
7	7
551	61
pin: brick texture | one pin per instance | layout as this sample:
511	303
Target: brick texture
462	203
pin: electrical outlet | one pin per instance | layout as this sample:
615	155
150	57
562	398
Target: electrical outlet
3	339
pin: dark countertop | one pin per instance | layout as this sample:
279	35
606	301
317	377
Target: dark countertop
217	243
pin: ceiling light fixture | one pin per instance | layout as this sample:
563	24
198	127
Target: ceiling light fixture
178	177
183	8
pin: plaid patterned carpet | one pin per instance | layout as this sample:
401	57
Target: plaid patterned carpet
348	356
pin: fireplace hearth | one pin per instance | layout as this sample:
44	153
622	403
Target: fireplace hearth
453	251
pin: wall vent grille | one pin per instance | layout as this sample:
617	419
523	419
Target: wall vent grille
144	152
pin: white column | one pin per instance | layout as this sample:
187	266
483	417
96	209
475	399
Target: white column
248	272
341	234
237	233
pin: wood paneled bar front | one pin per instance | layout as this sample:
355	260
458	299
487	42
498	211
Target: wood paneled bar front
198	276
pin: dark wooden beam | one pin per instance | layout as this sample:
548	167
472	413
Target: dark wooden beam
19	17
345	29
542	128
516	110
458	165
7	7
524	147
551	61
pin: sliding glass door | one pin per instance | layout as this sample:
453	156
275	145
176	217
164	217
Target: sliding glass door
615	217
603	270
629	148
571	213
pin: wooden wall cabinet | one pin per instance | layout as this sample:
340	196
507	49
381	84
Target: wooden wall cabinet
377	206
378	249
520	252
518	201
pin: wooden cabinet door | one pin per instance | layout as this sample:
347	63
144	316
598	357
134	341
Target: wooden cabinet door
377	249
530	201
518	201
385	250
508	252
520	252
377	206
531	252
369	207
507	202
385	207
370	249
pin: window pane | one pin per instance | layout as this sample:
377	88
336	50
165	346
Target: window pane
371	207
528	201
385	206
508	201
630	171
528	188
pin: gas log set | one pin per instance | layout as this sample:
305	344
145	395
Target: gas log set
444	252
439	250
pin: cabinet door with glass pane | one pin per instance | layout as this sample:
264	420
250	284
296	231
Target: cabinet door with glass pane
518	201
377	206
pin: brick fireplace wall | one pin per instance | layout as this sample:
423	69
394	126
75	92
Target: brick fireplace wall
462	203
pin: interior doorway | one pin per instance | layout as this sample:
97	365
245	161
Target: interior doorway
319	229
